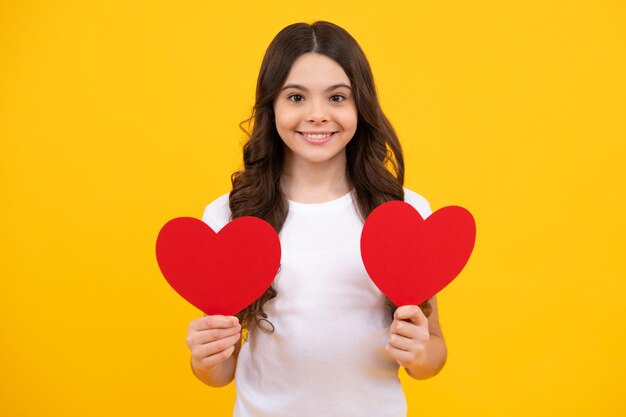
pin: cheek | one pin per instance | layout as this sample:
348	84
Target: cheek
285	115
347	114
286	119
348	117
285	124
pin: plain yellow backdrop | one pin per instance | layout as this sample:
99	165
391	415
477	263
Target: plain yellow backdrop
117	116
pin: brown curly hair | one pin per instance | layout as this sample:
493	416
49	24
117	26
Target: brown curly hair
375	166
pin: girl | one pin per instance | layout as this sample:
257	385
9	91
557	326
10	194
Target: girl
322	340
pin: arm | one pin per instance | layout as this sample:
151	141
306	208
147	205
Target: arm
416	342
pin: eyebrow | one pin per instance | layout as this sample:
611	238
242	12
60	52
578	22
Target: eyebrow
303	88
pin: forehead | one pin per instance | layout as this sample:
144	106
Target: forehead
316	71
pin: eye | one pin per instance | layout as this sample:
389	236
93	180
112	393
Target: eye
341	98
294	95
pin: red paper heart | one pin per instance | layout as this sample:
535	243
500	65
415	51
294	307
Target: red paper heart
411	259
219	273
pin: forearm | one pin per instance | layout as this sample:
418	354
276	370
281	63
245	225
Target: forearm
434	358
219	376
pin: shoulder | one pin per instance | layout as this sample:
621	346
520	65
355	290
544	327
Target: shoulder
418	202
217	213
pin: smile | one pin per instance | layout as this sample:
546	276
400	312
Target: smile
317	138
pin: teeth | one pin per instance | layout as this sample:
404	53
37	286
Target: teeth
322	136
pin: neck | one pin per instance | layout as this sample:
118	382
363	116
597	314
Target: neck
314	182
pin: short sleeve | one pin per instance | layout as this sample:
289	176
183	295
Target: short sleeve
217	213
418	202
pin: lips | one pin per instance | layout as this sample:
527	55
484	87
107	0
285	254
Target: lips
316	137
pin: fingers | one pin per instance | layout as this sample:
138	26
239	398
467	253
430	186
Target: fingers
213	322
403	358
211	328
210	362
207	350
207	336
400	342
408	335
402	328
210	336
412	313
409	322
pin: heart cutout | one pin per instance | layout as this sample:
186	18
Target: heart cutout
219	273
411	259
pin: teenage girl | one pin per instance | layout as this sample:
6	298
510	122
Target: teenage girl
322	340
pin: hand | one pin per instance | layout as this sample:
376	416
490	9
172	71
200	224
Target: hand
408	336
212	340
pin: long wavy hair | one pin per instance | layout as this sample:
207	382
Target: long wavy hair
374	168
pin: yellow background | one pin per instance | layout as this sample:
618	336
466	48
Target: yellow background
117	116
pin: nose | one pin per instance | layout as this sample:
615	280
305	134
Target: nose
317	111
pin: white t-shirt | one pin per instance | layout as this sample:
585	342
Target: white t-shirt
326	356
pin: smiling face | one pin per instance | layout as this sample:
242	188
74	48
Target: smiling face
315	111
